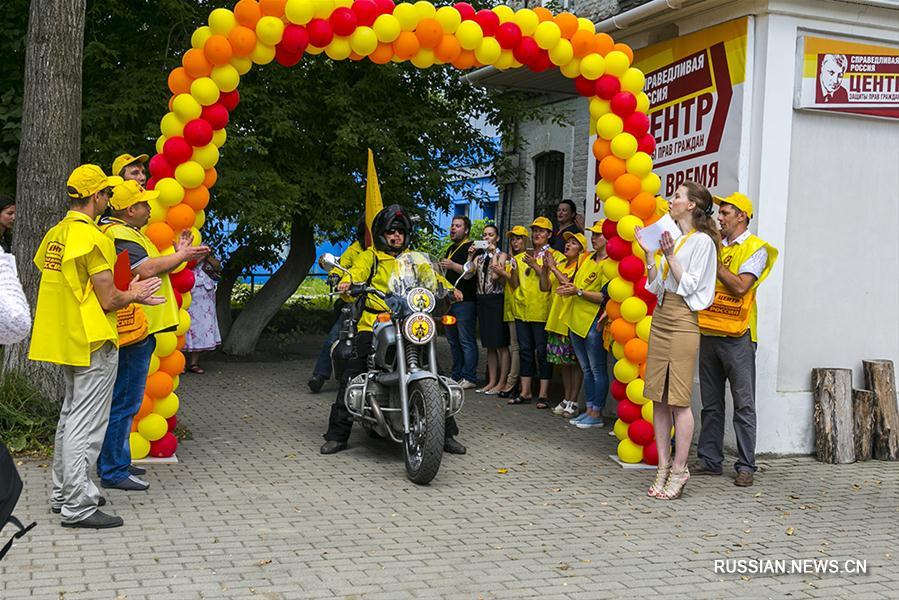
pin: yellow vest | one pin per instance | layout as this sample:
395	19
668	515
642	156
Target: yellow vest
534	302
732	315
557	320
348	257
590	278
161	317
512	299
69	322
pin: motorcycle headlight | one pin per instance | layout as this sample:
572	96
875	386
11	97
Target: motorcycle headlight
421	300
419	328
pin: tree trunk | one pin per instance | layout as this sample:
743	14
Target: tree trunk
863	413
880	378
223	293
834	427
248	326
50	148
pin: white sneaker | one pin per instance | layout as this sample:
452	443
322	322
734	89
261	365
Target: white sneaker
571	410
560	407
468	385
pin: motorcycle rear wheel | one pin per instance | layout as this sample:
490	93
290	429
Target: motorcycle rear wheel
423	445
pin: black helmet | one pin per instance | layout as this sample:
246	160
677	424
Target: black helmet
392	217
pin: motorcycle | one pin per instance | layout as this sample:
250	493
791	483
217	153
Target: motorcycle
401	396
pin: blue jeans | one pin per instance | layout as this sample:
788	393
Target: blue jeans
592	357
531	347
323	364
461	338
127	396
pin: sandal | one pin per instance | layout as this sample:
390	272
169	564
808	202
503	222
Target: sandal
196	369
519	400
658	484
511	392
674	488
542	403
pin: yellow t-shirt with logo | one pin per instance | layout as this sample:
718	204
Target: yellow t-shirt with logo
535	303
512	298
557	320
590	278
69	322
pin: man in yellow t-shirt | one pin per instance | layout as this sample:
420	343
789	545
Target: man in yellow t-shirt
75	327
728	342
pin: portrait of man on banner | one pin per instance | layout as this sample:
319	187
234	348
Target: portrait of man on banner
831	68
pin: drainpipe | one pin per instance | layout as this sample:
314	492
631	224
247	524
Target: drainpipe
627	18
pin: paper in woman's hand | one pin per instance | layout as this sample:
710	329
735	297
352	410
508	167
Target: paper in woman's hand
651	235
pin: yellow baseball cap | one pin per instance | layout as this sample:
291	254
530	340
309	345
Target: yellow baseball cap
578	236
87	180
543	223
130	193
738	200
518	230
597	227
123	160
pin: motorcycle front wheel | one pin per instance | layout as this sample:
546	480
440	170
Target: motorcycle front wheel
423	445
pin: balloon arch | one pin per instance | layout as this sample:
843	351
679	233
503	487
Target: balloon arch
204	91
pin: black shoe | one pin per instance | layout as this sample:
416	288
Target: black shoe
58	509
98	520
129	484
333	447
511	393
135	470
452	446
315	384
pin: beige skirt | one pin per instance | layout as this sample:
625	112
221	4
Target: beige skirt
673	348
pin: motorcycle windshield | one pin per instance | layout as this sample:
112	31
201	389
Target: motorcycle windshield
415	270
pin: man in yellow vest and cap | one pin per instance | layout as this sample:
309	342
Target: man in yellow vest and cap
75	327
728	342
130	167
130	210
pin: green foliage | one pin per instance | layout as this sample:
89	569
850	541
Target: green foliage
27	418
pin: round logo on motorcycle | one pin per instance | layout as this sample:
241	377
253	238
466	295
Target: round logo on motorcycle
420	299
419	328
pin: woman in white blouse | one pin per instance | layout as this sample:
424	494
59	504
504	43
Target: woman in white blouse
684	281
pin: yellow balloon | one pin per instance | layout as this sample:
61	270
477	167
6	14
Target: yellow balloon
167	407
343	3
176	381
207	156
633	81
449	18
170	192
197	239
190	174
640	164
617	350
504	13
424	58
243	64
562	53
592	130
339	48
387	28
186	108
263	54
662	206
610	268
363	41
572	69
205	91
140	447
616	208
586	25
299	11
171	125
154	364
469	35
488	51
199	36
166	343
527	20
624	145
605	189
630	452
633	309
643	328
646	411
609	125
642	103
218	137
620	289
407	15
323	8
651	184
593	66
226	77
186	299
599	107
269	30
505	61
425	10
620	429
547	35
625	371
152	427
160	142
635	392
617	63
157	211
200	219
221	21
637	251
627	226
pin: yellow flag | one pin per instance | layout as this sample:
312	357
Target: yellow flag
373	202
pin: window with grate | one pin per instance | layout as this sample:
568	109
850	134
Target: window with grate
548	172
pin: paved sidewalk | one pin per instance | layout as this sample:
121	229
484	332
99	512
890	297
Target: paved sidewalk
535	509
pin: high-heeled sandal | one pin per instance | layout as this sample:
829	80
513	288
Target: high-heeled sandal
658	484
674	488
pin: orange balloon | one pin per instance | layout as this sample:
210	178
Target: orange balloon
429	32
603	43
544	14
247	13
354	56
242	40
195	63
448	49
567	22
582	43
273	8
635	351
197	198
655	217
406	45
171	103
613	310
160	234
159	385
612	167
180	216
626	49
211	177
134	423
181	340
643	205
146	407
382	54
601	148
217	50
173	364
622	330
627	186
179	81
465	60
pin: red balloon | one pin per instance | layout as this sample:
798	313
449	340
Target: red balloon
541	63
631	268
198	133
640	432
343	21
191	264
178	299
164	447
642	293
646	144
609	229
488	20
583	85
607	86
151	183
320	33
385	7
366	12
623	104
617	248
216	115
295	39
160	167
466	10
177	150
651	453
618	390
628	411
229	100
508	35
651	306
526	50
183	281
172	422
285	57
636	124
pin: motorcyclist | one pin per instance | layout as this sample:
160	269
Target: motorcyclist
391	230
